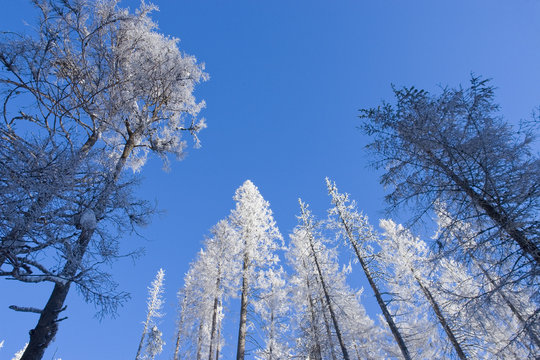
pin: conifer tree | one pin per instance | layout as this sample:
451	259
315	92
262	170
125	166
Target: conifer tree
409	274
358	234
259	238
153	312
331	322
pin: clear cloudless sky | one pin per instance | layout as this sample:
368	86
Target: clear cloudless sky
287	80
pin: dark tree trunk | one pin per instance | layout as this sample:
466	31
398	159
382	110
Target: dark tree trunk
317	349
240	351
442	320
497	215
214	318
393	328
47	327
327	298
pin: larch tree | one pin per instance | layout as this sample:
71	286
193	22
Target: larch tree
407	262
150	331
499	308
330	321
259	238
154	343
456	148
211	279
355	229
105	89
272	306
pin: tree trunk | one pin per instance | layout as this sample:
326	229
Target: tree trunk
393	328
47	327
497	215
327	297
530	332
243	310
442	320
318	354
200	338
180	324
214	317
328	330
218	344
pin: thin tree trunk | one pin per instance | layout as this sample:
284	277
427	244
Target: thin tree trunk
180	325
328	330
243	311
137	357
393	328
200	338
218	344
534	337
442	320
214	317
47	327
313	319
327	296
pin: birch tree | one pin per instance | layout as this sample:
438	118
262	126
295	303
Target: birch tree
112	89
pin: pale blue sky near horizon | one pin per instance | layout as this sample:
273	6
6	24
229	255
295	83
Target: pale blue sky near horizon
287	79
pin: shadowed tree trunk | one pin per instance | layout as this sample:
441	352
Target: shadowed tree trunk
240	351
326	294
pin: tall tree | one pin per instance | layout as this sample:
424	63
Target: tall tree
259	238
155	304
111	89
331	321
358	234
406	259
212	278
456	148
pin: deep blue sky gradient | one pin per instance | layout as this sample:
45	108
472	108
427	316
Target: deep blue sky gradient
287	80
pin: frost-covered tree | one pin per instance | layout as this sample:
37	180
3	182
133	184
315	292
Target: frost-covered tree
273	309
409	276
258	238
105	89
211	279
498	308
355	229
330	321
154	343
153	312
456	148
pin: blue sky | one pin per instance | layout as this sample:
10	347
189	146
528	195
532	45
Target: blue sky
286	81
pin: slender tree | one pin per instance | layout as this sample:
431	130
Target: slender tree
150	330
409	258
259	239
212	278
357	232
331	320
